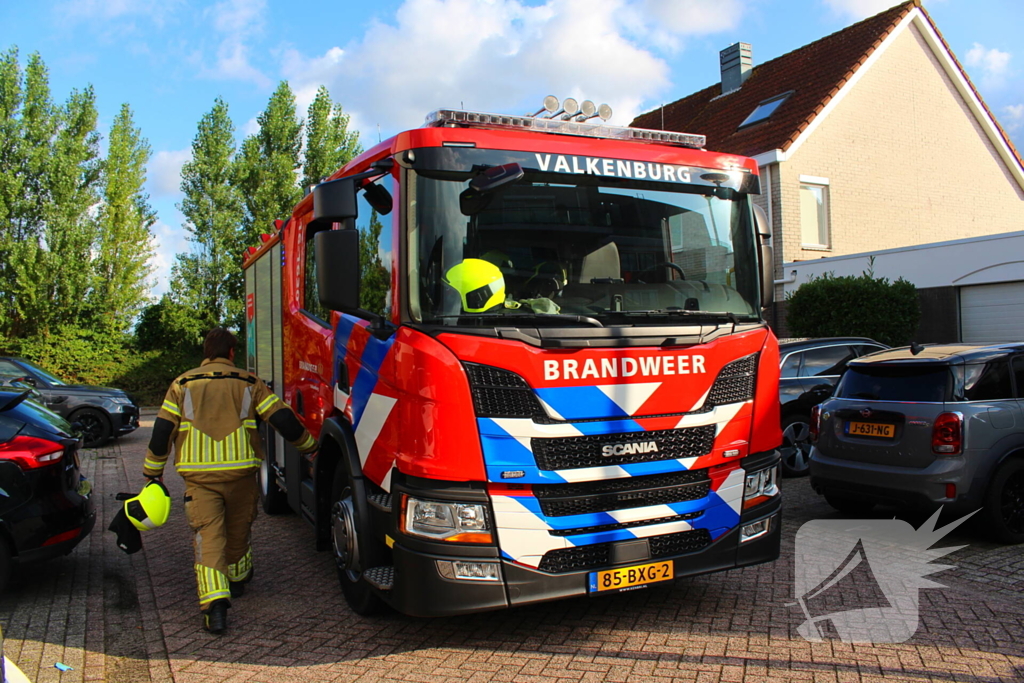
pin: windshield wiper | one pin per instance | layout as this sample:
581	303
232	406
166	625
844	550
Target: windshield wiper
513	318
681	312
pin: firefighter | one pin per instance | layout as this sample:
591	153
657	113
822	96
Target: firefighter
210	415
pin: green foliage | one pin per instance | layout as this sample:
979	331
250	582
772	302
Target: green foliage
861	306
329	143
265	169
123	247
209	278
168	325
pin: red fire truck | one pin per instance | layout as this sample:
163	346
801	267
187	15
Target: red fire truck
533	352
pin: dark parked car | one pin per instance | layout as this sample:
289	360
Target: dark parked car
942	426
810	370
102	412
45	505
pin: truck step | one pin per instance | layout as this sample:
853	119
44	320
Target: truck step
381	501
381	578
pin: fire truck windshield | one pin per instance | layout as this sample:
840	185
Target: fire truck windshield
578	250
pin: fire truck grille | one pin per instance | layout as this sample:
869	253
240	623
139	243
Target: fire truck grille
560	500
735	383
625	525
587	451
598	555
679	544
500	393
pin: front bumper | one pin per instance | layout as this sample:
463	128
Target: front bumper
420	590
125	422
893	485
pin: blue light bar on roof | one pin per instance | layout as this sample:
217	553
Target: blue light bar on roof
476	119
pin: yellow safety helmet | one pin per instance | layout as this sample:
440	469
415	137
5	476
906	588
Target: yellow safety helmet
479	283
151	508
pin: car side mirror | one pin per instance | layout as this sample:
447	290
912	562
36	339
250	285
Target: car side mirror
337	269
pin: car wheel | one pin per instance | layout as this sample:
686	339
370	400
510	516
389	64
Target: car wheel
796	446
95	426
1004	505
272	498
849	505
353	548
6	565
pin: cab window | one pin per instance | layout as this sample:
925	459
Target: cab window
375	252
310	297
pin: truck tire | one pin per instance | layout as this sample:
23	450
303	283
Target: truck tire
1004	503
353	546
95	426
273	500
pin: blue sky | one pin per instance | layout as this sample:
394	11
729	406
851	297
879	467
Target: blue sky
390	62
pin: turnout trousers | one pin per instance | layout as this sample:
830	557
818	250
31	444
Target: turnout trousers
221	517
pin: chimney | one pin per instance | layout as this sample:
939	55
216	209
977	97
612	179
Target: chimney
736	65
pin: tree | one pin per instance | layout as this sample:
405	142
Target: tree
329	143
51	169
209	279
861	306
266	165
124	239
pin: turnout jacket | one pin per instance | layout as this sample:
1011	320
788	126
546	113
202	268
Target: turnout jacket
210	415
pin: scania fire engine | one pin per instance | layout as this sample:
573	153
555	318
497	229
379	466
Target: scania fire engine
532	350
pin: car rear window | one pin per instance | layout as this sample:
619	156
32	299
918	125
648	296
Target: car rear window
34	413
897	383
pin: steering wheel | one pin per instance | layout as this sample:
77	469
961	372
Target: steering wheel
666	264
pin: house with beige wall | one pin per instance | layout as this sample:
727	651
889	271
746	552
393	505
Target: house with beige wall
871	138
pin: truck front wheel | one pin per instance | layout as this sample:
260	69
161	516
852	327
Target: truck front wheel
353	547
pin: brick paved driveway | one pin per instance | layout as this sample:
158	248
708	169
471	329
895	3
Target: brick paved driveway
119	618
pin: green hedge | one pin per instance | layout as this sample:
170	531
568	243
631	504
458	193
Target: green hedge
855	306
87	357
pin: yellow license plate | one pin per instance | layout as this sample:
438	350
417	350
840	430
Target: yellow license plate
882	431
630	577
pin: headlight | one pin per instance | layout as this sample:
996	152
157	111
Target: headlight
760	486
443	521
121	400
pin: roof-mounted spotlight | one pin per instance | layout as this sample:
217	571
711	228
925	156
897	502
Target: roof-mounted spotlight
570	108
588	110
550	105
604	112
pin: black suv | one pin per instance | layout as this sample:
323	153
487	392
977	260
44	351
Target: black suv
101	412
810	370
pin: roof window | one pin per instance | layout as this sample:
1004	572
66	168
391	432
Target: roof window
765	109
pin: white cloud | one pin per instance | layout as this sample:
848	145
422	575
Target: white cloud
498	55
167	242
238	22
994	64
859	9
1014	116
164	172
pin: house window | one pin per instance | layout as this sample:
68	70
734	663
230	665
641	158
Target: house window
765	109
814	227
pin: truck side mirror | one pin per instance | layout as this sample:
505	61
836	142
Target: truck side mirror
334	202
337	268
766	257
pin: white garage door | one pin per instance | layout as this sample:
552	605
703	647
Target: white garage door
992	313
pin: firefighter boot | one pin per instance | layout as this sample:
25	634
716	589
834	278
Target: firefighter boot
215	617
238	587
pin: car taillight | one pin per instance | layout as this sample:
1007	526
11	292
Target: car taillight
815	426
947	434
30	452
